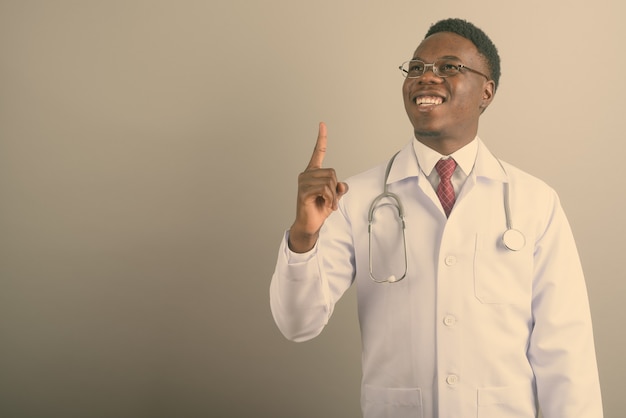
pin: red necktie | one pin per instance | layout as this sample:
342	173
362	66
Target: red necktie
445	191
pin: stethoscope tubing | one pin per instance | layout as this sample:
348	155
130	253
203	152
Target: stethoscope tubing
512	238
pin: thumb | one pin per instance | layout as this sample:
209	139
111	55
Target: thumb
342	188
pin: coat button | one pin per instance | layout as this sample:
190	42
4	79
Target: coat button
452	379
449	320
450	260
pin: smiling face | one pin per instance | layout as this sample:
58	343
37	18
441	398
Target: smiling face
445	111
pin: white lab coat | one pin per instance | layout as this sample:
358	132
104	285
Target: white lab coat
474	330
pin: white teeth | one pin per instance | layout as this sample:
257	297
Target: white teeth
428	100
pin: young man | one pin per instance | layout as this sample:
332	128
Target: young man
477	307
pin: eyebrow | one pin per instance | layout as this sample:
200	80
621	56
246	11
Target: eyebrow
447	57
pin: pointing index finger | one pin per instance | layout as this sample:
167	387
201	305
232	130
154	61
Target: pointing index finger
320	148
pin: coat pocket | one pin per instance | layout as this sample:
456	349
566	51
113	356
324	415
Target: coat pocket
502	276
392	402
507	402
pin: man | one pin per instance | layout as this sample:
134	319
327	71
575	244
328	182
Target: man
461	320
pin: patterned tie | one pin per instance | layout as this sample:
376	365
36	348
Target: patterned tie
445	191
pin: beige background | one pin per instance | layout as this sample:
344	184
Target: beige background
148	160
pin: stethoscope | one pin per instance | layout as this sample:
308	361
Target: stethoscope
512	239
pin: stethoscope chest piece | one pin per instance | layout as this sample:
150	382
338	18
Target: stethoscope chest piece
513	239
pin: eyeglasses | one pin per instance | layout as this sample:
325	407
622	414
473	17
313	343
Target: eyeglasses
441	68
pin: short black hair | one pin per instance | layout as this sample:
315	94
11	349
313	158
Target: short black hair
479	38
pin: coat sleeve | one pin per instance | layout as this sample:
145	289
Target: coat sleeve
561	349
305	287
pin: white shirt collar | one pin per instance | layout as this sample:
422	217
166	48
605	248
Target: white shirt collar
485	164
464	157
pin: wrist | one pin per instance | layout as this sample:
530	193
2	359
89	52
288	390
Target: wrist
300	241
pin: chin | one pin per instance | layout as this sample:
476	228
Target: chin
421	133
427	127
427	130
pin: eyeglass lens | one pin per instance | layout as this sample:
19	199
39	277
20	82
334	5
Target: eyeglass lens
442	68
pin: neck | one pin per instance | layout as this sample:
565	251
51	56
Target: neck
444	146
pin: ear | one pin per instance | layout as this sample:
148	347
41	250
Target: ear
489	90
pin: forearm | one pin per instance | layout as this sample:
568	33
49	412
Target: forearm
298	299
561	349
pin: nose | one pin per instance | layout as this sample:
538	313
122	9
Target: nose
429	75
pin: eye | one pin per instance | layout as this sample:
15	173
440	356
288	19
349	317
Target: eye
416	67
449	68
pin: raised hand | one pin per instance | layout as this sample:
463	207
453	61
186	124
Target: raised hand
318	196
